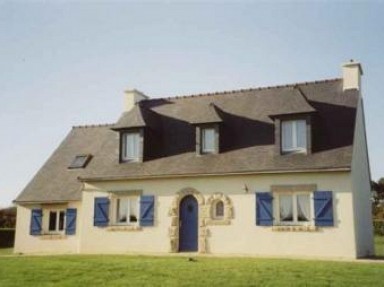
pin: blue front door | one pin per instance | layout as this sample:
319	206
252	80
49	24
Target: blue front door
188	224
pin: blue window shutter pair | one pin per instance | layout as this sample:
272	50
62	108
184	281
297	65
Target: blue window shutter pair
101	211
70	221
264	209
323	208
323	204
36	220
147	206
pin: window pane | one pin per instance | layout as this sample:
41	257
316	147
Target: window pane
208	140
133	215
287	135
303	207
122	210
286	208
301	134
61	220
52	221
131	146
219	210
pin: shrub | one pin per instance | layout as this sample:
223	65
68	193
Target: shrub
378	226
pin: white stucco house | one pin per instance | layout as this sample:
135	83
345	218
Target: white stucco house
275	171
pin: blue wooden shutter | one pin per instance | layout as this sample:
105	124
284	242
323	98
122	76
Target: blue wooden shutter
36	219
101	211
70	221
264	209
323	208
147	205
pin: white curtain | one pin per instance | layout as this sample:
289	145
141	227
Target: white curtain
208	135
287	135
286	208
122	210
132	145
303	207
301	133
133	214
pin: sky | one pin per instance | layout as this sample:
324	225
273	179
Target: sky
67	63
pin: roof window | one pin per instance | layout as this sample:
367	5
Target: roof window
80	161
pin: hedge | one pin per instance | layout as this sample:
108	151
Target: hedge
378	227
7	237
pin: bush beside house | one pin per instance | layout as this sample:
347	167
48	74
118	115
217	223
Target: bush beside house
7	227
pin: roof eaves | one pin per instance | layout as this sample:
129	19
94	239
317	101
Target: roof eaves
271	171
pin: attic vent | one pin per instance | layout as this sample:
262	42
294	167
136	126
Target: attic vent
80	161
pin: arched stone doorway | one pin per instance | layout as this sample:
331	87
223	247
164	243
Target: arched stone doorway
174	213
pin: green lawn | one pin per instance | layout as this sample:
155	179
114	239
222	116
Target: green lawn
178	271
6	251
98	270
379	246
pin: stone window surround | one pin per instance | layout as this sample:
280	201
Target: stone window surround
289	188
113	196
228	209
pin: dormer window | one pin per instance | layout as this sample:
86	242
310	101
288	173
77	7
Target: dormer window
293	136
131	146
208	140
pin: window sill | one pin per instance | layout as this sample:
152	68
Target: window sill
124	228
292	152
296	228
218	222
52	236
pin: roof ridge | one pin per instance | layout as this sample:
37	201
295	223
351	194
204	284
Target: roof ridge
92	126
178	97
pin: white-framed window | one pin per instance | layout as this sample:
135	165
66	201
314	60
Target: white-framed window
126	210
208	140
293	208
294	136
218	209
56	221
130	146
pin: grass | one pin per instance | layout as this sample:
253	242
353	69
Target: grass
109	270
123	270
379	246
6	251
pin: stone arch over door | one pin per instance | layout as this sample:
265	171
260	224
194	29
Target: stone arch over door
174	213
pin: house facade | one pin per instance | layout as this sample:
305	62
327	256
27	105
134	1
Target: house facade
277	171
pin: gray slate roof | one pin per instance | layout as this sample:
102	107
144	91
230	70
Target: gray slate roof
247	135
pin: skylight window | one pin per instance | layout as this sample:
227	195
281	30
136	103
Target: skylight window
80	161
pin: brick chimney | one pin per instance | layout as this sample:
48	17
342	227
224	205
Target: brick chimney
352	73
131	98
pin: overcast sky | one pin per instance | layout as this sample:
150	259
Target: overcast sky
68	63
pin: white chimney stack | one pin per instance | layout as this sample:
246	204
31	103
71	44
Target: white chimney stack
131	98
352	73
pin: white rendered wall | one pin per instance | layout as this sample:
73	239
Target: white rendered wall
361	188
26	243
242	236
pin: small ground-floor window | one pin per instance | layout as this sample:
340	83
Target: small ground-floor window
126	210
293	208
56	221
